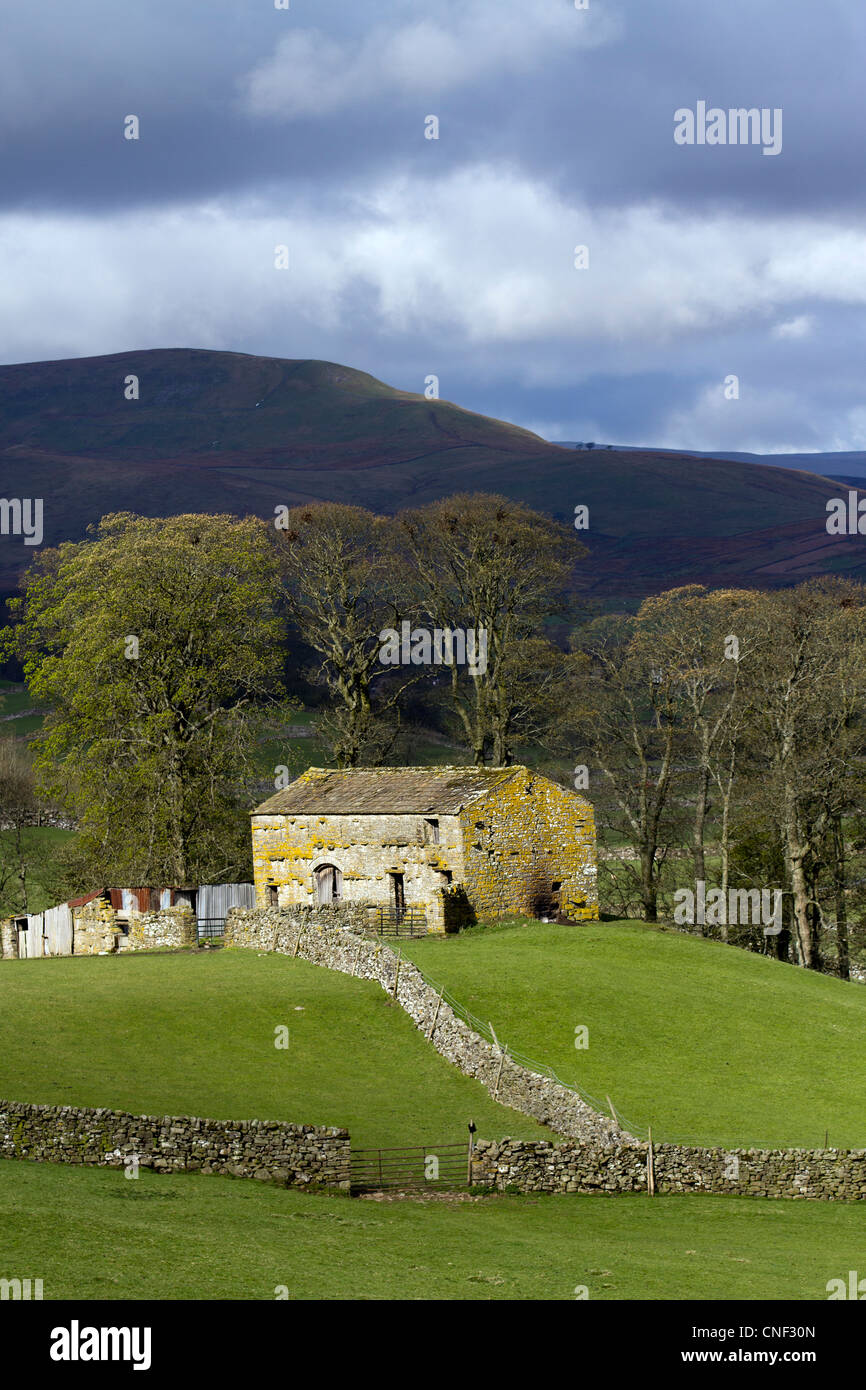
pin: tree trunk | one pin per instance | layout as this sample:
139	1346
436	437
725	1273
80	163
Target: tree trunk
698	854
839	887
648	886
795	854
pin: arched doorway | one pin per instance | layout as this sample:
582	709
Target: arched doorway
329	884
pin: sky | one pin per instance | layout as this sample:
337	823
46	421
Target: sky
307	127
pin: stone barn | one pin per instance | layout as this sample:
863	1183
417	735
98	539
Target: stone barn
440	846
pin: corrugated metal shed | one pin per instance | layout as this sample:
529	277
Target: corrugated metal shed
385	790
215	899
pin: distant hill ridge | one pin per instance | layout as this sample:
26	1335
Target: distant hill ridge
226	431
829	464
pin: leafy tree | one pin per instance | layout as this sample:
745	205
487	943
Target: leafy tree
153	641
703	640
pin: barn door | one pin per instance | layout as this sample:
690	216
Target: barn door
329	884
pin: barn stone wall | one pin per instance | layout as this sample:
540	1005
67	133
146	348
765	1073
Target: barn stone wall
507	850
287	850
530	846
94	928
171	928
8	940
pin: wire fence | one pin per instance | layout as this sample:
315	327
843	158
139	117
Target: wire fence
637	1131
486	1031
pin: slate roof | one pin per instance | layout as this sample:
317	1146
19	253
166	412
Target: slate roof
385	790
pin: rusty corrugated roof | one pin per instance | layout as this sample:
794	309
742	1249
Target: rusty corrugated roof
88	898
385	790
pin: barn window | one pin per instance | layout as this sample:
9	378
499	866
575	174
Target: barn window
432	831
272	895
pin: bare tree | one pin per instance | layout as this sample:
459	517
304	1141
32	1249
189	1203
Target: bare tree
486	564
342	581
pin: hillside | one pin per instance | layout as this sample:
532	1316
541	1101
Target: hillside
193	1034
707	1043
221	431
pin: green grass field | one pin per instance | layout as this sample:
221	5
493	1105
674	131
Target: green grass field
93	1234
707	1043
193	1034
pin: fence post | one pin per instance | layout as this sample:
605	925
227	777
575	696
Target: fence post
298	938
471	1152
613	1112
499	1073
435	1017
397	975
357	958
650	1165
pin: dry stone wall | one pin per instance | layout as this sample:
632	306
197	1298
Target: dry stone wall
545	1167
600	1158
287	1154
172	927
333	937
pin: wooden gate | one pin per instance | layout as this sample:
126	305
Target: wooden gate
433	1167
58	930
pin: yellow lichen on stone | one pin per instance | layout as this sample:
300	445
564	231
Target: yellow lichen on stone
517	842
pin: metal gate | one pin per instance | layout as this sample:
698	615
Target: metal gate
389	921
433	1167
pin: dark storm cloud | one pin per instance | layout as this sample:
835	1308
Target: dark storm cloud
453	256
597	118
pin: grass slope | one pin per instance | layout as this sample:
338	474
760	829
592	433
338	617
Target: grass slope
707	1043
92	1234
193	1034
